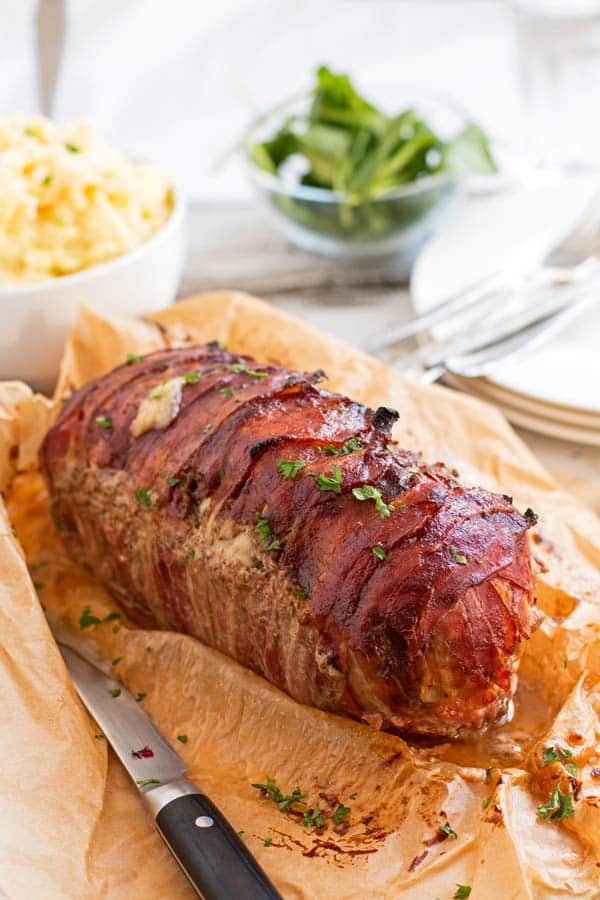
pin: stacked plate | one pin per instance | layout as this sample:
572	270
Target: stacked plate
555	389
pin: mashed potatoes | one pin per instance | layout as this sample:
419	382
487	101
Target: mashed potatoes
68	202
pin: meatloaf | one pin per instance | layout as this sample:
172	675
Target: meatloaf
277	522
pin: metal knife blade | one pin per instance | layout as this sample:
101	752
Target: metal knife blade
127	727
50	38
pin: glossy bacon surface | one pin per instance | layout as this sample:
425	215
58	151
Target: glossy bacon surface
422	635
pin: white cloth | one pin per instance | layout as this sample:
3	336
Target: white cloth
177	81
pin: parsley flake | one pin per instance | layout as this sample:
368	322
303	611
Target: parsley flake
240	368
486	801
143	497
268	841
303	592
227	392
349	447
314	819
132	358
331	483
458	557
462	892
86	619
183	738
370	492
191	377
47	179
115	662
263	526
289	468
104	421
559	805
115	692
140	696
379	552
157	392
172	480
445	829
72	148
341	813
283	801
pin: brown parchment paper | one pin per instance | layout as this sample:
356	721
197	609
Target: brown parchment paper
71	823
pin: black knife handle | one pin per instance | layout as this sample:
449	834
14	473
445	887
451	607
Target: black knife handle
210	852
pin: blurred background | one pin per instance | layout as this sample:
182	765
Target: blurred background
180	82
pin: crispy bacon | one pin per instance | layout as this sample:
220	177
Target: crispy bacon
194	528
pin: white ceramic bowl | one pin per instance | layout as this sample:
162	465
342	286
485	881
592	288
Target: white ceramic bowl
35	317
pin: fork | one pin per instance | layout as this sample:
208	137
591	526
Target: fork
573	258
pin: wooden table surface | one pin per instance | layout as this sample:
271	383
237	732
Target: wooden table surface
237	245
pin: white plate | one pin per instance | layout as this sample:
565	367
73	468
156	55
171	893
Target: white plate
564	372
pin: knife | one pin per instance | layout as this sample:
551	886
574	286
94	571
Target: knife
212	855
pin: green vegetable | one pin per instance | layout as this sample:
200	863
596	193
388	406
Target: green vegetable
104	422
341	813
72	148
86	619
283	801
268	841
239	368
140	696
191	377
116	661
379	552
143	497
314	819
47	179
331	483
458	557
183	738
132	358
172	480
157	392
445	829
116	692
462	892
349	447
560	805
370	492
289	468
348	146
227	392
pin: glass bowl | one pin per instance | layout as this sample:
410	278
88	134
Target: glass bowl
331	223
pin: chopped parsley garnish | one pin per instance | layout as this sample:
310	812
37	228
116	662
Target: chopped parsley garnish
274	545
140	696
227	392
445	829
116	629
289	468
379	552
462	892
115	692
458	557
314	819
283	801
38	585
560	754
559	806
274	639
99	737
486	801
144	781
47	179
207	428
268	841
72	148
370	492
349	447
157	392
303	592
191	377
351	796
115	662
104	421
86	619
132	357
263	526
143	497
331	483
239	368
191	554
183	738
488	772
341	813
172	480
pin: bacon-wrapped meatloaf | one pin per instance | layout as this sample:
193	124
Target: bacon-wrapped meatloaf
242	504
